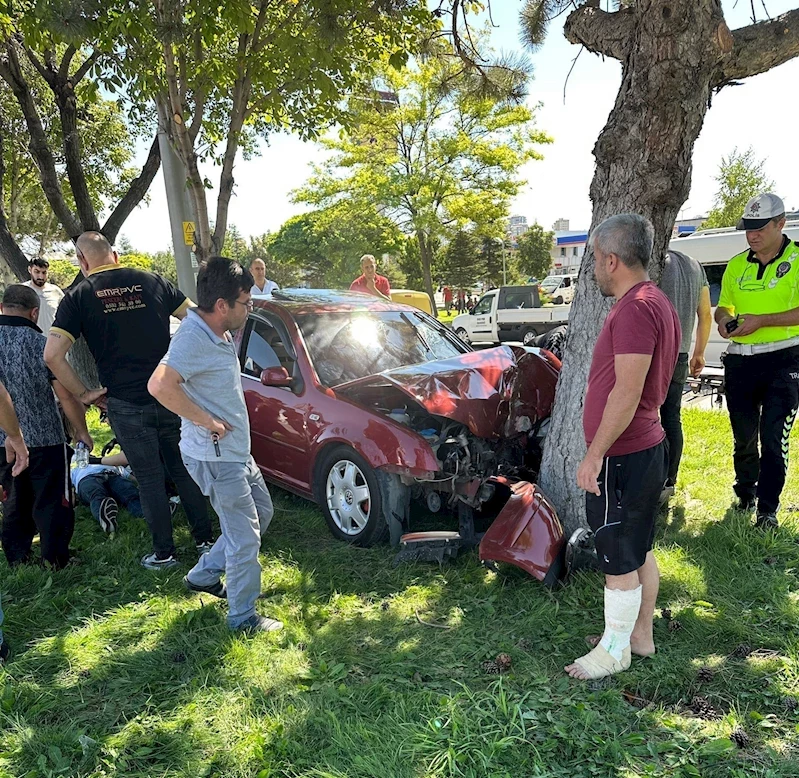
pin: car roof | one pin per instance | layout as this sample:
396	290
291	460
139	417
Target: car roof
305	301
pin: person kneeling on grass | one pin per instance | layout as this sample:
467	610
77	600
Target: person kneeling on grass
200	380
104	485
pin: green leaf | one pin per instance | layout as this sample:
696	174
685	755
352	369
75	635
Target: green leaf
717	746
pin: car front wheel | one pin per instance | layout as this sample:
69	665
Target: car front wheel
349	496
463	335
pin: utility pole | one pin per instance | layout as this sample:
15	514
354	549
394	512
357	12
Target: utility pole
181	216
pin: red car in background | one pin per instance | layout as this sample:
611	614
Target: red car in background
369	407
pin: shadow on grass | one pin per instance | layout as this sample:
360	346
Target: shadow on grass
378	673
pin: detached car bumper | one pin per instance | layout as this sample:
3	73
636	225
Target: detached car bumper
526	533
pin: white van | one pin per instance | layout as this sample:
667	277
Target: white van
560	288
713	249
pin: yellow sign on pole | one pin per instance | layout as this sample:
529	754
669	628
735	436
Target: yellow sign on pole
188	233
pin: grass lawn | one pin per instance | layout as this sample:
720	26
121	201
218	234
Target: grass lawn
379	673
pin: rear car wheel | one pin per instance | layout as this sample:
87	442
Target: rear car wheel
558	300
463	335
349	496
528	336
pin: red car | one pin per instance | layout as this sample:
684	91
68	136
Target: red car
368	407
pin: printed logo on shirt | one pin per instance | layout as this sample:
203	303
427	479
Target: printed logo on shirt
121	298
782	269
794	376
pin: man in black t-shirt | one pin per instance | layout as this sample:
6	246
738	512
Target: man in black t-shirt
123	314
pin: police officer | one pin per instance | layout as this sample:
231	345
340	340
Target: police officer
758	312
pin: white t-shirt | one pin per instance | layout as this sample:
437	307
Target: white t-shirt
49	296
269	287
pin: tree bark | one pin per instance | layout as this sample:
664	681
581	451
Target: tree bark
643	165
426	258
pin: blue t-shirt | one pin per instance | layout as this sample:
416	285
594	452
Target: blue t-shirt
209	367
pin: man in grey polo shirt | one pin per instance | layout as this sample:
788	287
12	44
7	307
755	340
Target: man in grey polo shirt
199	380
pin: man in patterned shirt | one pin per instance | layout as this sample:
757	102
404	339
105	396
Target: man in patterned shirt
36	500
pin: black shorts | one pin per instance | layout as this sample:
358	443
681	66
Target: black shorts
622	517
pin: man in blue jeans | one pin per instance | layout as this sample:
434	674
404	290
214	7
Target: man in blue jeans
124	315
200	380
104	487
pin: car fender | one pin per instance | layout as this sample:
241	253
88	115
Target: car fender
383	444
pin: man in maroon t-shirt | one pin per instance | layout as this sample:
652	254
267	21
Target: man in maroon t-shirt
369	282
626	465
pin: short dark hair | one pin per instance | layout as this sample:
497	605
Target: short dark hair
39	262
221	278
20	296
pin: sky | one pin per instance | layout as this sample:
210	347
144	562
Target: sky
753	114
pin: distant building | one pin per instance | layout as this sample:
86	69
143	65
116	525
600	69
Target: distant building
515	228
568	249
687	226
561	225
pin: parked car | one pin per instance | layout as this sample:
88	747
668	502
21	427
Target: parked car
365	406
560	288
510	313
420	300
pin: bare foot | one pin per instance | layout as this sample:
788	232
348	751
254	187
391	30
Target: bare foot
637	647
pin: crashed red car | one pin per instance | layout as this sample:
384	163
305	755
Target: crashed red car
370	408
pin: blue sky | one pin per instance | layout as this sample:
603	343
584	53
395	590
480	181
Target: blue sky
753	114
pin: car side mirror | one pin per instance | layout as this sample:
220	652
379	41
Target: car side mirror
275	376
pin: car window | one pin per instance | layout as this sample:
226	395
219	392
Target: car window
347	346
518	300
260	353
714	274
484	306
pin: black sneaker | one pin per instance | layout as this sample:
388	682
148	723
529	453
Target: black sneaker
216	590
204	547
745	504
4	652
258	623
152	562
109	510
767	520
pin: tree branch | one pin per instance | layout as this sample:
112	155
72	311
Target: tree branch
609	34
85	67
66	61
137	190
11	73
760	47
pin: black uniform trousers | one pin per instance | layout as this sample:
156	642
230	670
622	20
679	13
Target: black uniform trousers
762	393
37	500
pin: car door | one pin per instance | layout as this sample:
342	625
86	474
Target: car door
277	414
483	317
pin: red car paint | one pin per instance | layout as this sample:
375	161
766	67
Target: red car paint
527	532
495	393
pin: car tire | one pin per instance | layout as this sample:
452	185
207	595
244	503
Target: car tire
463	335
349	495
528	336
558	300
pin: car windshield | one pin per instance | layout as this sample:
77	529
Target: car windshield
551	283
347	346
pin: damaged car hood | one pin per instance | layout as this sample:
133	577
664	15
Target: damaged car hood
495	392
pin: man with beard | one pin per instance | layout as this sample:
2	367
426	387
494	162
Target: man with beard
627	459
49	294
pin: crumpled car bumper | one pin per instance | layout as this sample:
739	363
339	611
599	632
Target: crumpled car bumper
526	533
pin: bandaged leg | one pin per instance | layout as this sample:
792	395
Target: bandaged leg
612	655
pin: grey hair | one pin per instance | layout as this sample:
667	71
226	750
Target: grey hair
629	236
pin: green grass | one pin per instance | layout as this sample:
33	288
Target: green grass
120	672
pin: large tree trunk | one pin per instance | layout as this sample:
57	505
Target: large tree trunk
672	49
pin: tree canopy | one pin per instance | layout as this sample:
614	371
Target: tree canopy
435	153
534	247
741	176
